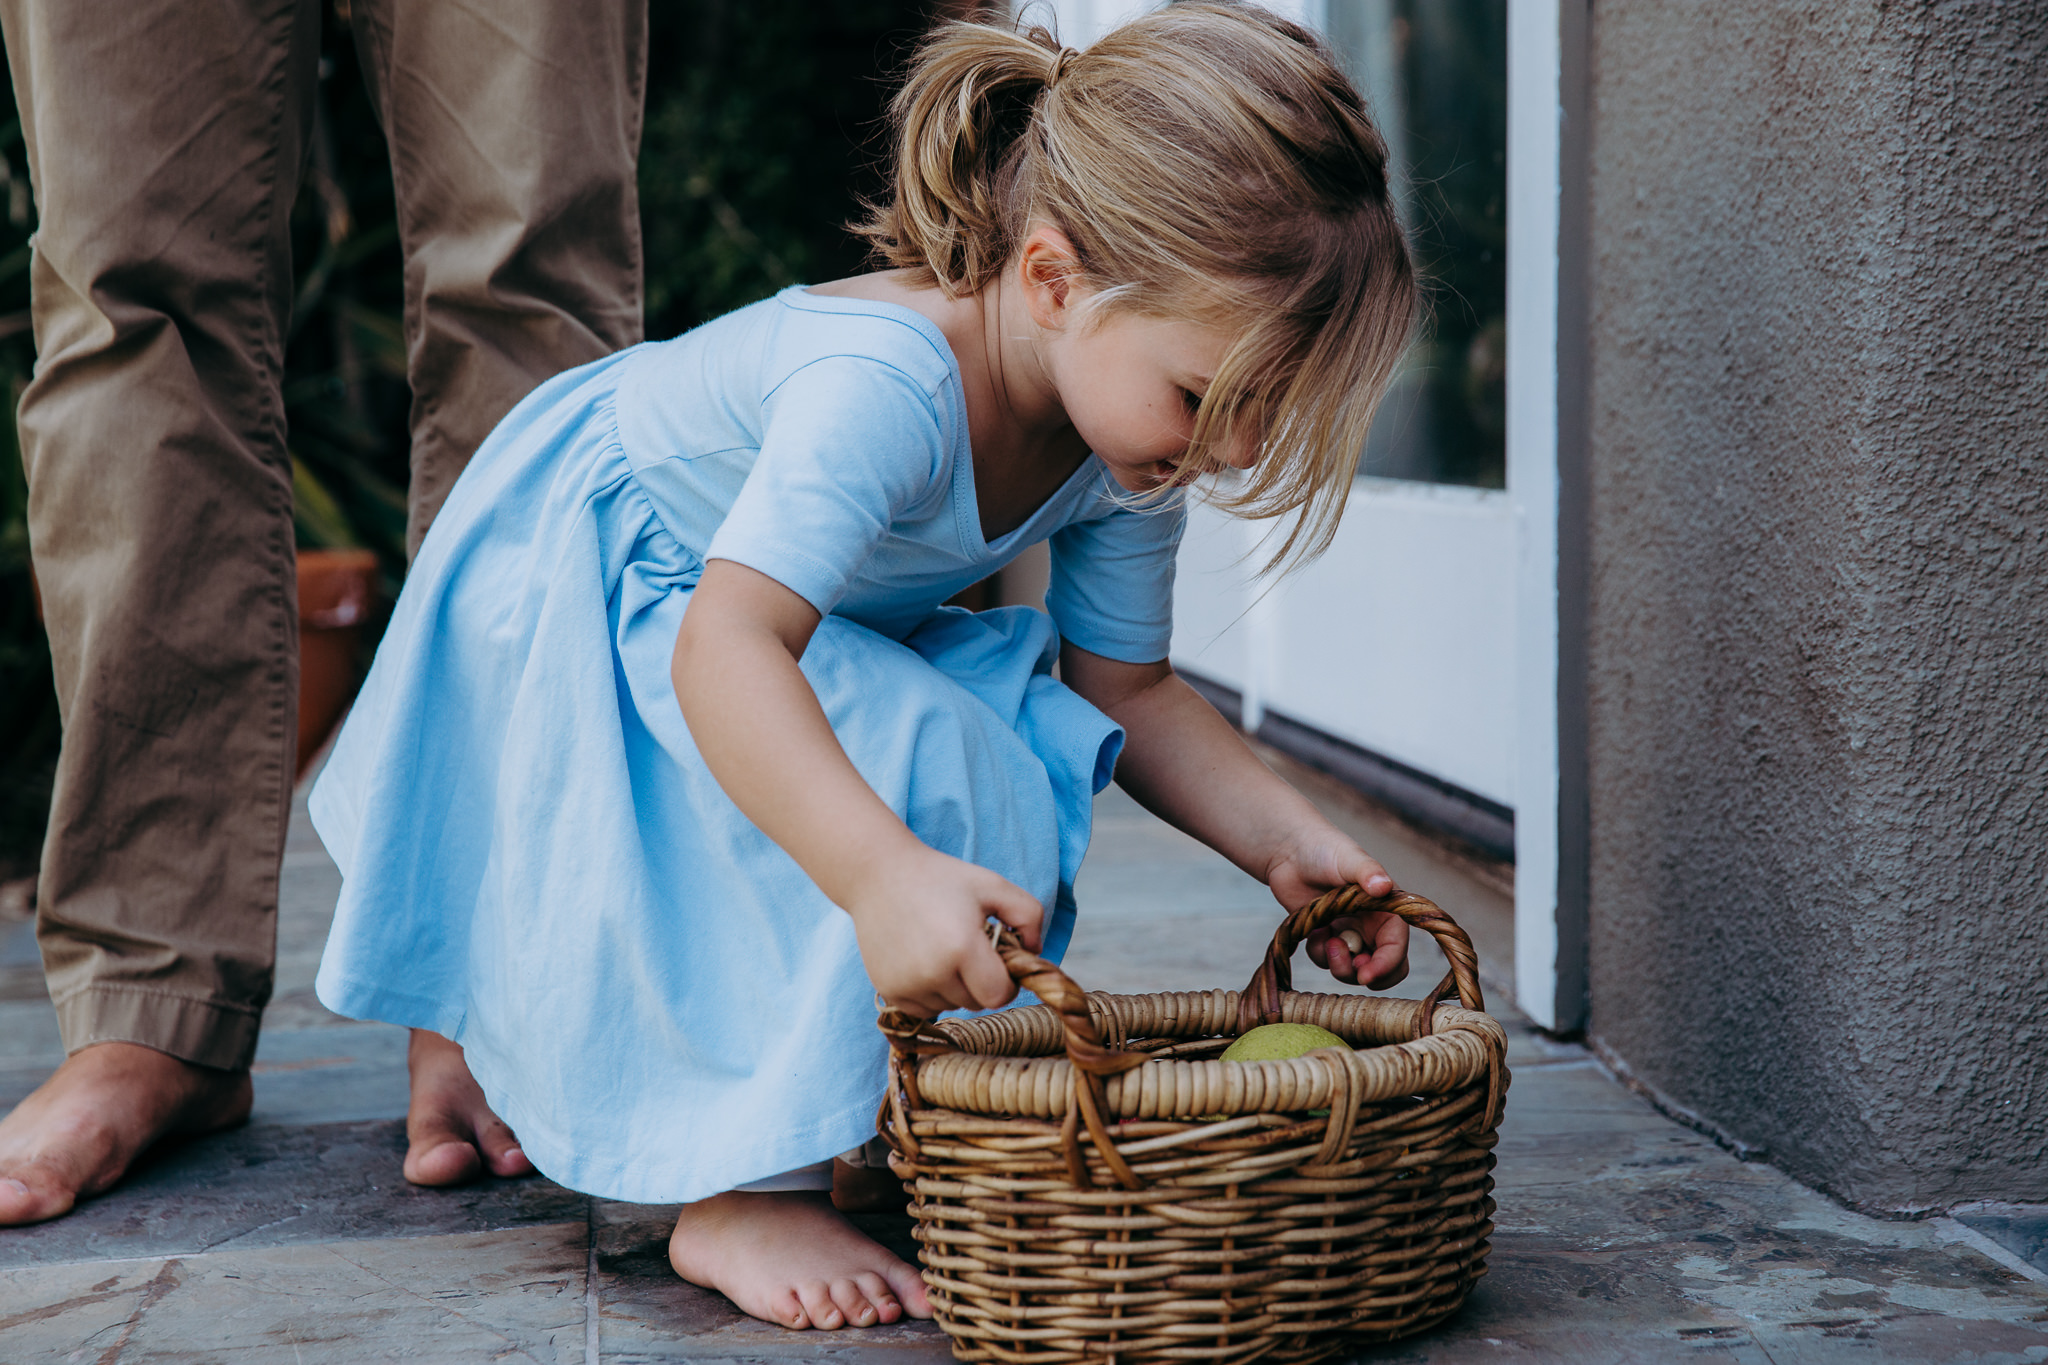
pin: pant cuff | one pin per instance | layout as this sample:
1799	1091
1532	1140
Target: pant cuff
203	1032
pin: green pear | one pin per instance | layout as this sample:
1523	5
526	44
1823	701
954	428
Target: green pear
1276	1042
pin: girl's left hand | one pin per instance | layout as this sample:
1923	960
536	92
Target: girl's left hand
1314	866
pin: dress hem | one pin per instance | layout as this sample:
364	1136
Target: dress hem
665	1183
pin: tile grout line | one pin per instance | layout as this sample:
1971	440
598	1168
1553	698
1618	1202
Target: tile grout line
590	1305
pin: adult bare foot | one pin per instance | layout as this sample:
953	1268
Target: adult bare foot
81	1130
792	1260
450	1132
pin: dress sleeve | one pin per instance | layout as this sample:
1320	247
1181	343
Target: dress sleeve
849	446
1112	580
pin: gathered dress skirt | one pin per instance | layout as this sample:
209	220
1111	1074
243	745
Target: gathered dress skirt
537	863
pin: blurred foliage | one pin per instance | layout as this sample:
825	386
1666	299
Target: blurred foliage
759	148
762	134
28	707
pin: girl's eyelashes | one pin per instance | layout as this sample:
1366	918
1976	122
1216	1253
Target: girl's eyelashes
1191	399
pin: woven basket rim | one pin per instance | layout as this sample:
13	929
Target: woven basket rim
992	1075
1093	1186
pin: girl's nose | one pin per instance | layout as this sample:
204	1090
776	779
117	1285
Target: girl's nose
1241	452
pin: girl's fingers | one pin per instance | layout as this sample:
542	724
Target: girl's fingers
1388	966
1369	875
985	982
1345	962
1021	912
1328	950
1389	963
966	989
1392	929
921	1007
1382	964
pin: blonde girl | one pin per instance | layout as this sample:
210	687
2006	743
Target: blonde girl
671	757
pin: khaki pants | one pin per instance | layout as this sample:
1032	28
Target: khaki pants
166	139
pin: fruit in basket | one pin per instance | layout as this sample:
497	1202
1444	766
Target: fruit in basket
1277	1042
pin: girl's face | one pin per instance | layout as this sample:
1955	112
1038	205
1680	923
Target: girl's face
1130	384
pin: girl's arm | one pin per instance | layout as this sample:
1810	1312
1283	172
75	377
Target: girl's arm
1188	765
918	913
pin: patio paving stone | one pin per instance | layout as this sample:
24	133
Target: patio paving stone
493	1296
1620	1237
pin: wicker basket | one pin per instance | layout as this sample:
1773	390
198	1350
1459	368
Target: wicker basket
1091	1185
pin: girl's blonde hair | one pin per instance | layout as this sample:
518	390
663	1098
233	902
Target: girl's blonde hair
1207	161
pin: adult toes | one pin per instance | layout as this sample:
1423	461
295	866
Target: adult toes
29	1196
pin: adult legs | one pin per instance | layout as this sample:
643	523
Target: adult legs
165	142
514	131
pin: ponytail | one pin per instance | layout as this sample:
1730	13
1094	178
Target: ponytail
961	125
1207	161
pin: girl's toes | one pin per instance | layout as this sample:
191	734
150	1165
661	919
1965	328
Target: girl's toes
789	1311
854	1304
510	1162
909	1290
440	1157
876	1290
819	1308
501	1149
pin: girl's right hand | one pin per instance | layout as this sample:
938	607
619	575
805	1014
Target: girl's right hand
923	934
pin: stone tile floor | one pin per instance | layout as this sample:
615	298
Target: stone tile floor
1620	1237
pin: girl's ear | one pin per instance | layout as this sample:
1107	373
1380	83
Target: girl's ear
1049	270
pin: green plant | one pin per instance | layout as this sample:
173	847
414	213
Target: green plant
764	131
28	704
346	399
760	139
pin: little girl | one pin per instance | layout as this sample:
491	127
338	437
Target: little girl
671	758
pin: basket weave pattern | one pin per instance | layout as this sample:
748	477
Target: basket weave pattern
1089	1184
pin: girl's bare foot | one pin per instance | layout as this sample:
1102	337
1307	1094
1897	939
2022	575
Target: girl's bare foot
81	1130
792	1260
867	1189
451	1134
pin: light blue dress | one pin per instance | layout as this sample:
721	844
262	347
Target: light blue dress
536	861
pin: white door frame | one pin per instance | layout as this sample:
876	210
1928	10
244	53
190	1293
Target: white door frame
1547	146
1532	484
1081	22
1547	170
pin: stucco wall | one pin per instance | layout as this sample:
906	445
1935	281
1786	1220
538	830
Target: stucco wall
1818	617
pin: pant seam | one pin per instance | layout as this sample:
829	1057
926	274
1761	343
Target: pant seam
287	102
116	988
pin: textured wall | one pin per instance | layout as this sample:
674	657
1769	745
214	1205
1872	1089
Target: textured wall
1818	626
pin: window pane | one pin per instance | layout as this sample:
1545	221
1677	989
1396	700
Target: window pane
1436	74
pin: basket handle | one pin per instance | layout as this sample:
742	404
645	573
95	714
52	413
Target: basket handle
1092	1059
1260	1001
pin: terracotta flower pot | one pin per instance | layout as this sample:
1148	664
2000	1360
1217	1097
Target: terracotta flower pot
336	591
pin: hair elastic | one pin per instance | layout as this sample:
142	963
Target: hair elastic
1060	62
